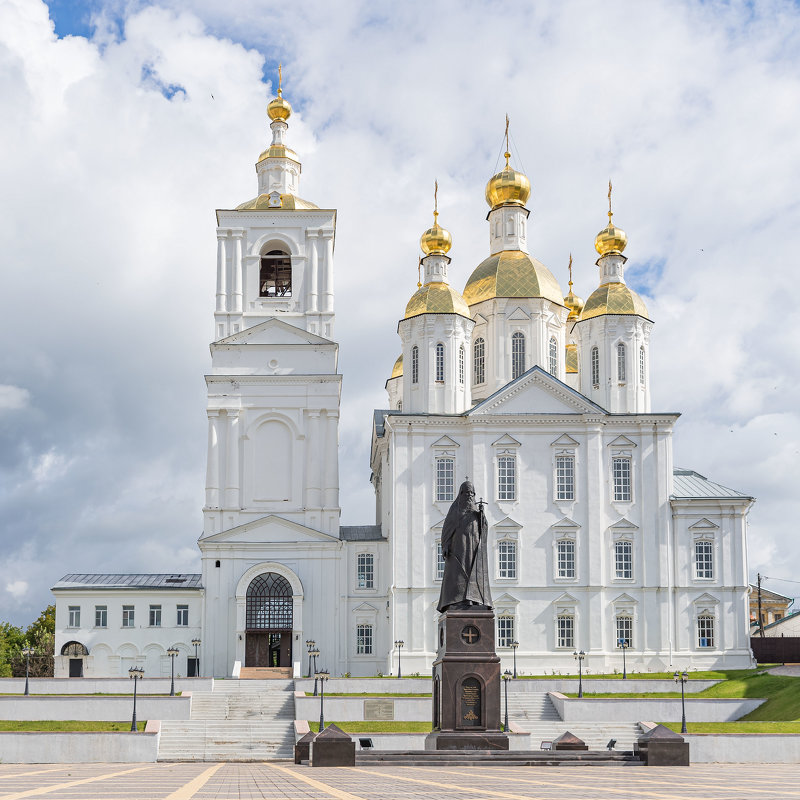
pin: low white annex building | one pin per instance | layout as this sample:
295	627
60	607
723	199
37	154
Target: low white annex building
596	540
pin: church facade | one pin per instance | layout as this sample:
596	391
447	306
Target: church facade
596	542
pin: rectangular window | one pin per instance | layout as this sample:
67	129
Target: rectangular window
623	560
127	617
183	616
565	631
642	370
478	362
595	368
365	571
445	479
703	560
705	631
439	562
364	640
624	631
621	471
101	616
74	616
440	363
505	631
506	478
155	616
565	477
565	568
507	559
621	363
461	364
414	364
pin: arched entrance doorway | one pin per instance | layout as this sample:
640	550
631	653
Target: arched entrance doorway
76	652
268	626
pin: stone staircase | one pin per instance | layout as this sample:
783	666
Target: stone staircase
265	673
535	713
251	720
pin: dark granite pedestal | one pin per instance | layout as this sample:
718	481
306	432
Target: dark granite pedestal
466	684
661	747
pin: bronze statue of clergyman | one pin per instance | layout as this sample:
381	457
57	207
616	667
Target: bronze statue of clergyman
465	583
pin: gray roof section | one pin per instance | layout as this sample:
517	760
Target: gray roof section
169	580
361	533
686	483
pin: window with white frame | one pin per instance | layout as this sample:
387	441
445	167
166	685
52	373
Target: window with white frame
415	364
565	558
155	616
565	477
621	473
128	616
505	630
705	630
507	559
439	567
565	631
595	359
364	640
182	616
703	559
621	362
440	363
365	571
642	366
553	356
506	478
624	628
623	560
517	355
479	361
74	616
101	616
445	479
461	365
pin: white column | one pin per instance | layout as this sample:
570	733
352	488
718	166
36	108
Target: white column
331	482
222	266
232	465
212	468
327	301
237	270
313	489
313	287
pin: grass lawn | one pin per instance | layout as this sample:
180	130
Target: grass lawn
56	725
736	727
370	694
709	675
377	726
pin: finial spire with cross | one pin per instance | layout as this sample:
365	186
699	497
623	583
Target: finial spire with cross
280	80
569	267
435	201
508	150
419	272
610	212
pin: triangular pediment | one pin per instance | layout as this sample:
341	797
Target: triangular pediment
480	319
564	441
438	526
507	523
271	529
445	441
703	525
622	441
506	441
624	525
624	599
564	599
365	608
566	522
519	315
505	599
536	392
706	599
274	332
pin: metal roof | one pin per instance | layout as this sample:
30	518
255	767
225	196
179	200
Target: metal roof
686	483
169	580
361	533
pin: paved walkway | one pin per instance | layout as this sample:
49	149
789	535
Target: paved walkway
285	781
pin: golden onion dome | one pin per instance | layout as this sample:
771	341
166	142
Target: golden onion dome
397	369
508	187
279	108
436	297
574	304
611	239
512	273
436	240
571	359
613	298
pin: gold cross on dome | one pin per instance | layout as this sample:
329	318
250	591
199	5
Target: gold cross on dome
280	80
610	212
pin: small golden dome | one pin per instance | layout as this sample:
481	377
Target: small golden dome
611	239
436	297
436	240
279	108
508	187
613	298
397	369
512	273
572	301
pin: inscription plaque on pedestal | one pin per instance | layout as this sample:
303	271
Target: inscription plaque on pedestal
471	703
379	709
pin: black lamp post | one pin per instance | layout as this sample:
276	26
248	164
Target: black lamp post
136	673
580	655
27	652
196	643
623	643
399	645
172	652
506	679
310	644
322	675
314	653
682	677
514	646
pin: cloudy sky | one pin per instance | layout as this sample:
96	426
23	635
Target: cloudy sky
124	125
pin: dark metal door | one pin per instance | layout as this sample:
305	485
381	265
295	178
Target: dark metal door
76	668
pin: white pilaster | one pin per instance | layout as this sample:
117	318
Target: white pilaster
222	268
236	269
313	267
327	302
212	470
232	460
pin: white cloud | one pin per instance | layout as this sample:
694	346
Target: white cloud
12	398
17	589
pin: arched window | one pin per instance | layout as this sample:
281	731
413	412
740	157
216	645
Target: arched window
553	356
478	362
415	364
621	362
595	368
461	365
440	363
269	603
276	275
517	355
74	649
641	366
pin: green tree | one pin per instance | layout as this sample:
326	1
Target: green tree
39	636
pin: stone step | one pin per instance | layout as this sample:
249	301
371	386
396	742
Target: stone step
505	757
265	673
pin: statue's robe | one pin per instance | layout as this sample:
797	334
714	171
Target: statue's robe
466	561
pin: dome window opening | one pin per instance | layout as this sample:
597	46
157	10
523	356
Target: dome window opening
439	363
553	357
517	355
275	279
415	364
461	365
595	368
478	363
642	366
621	362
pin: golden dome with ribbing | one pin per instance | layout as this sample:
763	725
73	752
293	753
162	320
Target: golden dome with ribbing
508	187
613	298
436	240
279	108
397	369
611	239
512	273
574	303
436	297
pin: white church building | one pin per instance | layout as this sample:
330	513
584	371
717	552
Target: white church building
596	540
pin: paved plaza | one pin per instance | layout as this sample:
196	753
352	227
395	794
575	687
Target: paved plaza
285	781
